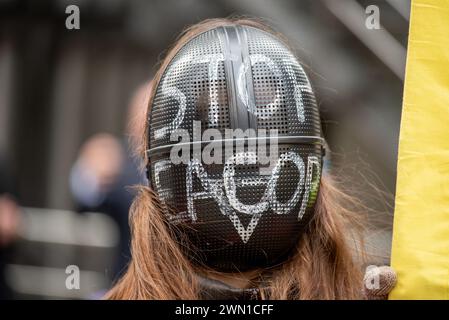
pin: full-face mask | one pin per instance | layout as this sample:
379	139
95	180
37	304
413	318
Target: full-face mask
235	148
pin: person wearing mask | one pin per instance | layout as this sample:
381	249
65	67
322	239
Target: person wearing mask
237	205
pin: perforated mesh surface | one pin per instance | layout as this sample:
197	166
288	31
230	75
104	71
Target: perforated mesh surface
233	216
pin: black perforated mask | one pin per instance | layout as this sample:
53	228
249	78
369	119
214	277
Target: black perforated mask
236	95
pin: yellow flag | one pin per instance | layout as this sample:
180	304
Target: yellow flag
420	252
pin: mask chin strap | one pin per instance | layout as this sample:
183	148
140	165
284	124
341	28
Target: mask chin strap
211	289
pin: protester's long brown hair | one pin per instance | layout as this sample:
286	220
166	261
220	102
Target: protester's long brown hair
326	264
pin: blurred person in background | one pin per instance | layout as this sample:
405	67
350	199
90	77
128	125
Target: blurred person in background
9	221
104	172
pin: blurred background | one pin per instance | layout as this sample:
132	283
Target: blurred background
66	97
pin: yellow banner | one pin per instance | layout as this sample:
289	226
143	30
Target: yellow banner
420	252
